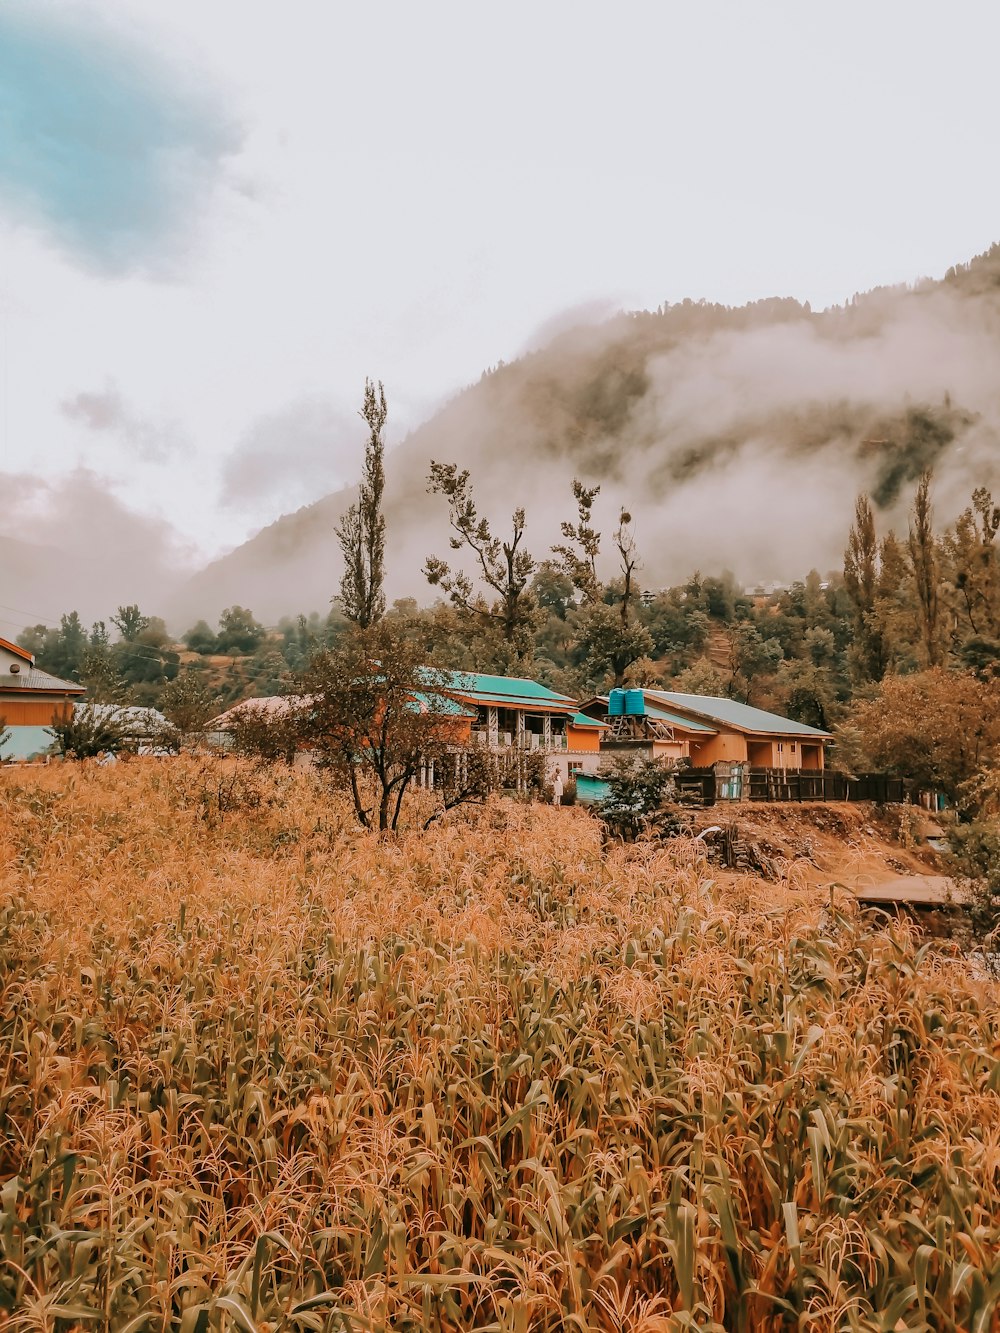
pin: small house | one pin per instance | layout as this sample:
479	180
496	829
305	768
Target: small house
510	713
706	730
31	700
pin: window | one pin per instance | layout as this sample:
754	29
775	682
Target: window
575	768
781	748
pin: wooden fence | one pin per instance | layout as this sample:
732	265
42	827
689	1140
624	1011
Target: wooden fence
705	786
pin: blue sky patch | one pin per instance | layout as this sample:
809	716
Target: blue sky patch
98	148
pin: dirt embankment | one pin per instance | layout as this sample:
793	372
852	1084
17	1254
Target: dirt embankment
879	853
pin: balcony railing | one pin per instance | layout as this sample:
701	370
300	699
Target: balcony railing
506	740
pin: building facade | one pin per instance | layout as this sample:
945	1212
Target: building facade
31	700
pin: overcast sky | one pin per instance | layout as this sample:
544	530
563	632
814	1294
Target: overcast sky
218	216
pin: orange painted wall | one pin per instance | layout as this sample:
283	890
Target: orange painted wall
813	757
31	712
670	749
583	738
731	746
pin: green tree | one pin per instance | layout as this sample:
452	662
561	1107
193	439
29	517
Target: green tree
637	789
751	657
971	550
202	639
90	729
610	640
701	677
923	549
873	574
577	554
189	704
361	532
937	727
504	567
130	622
239	632
375	719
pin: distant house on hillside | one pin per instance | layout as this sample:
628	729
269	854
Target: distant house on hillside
31	700
706	730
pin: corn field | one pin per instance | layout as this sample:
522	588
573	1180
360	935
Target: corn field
261	1071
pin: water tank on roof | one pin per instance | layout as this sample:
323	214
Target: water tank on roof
635	703
616	703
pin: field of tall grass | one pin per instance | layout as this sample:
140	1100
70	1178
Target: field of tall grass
261	1071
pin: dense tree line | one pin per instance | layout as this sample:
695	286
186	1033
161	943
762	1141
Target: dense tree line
901	604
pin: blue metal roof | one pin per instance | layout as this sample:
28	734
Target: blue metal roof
582	720
510	691
665	715
730	713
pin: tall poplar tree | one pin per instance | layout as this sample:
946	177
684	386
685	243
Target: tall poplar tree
361	532
924	558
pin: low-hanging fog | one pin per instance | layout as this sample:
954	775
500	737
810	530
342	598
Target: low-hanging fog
737	438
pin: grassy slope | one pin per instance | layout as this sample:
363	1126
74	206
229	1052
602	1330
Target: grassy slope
254	1062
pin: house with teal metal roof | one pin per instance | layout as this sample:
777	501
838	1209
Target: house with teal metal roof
514	713
706	730
747	735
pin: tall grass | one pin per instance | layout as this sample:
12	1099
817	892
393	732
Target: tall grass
260	1071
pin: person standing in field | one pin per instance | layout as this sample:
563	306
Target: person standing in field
557	789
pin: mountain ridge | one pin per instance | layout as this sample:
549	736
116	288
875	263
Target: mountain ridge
690	415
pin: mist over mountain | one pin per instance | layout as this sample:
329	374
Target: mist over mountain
737	438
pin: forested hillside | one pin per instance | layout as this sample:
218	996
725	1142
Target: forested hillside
738	438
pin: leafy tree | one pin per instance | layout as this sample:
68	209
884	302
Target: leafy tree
804	691
750	657
577	554
637	788
130	622
88	730
701	678
873	573
505	567
59	651
189	704
145	661
269	737
99	672
610	640
374	723
361	532
553	590
239	632
971	548
201	638
679	629
610	647
937	727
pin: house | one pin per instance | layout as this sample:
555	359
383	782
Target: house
706	730
141	729
31	700
268	708
510	713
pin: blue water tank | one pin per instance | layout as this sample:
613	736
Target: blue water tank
616	703
635	703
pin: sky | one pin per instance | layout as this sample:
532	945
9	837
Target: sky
217	219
